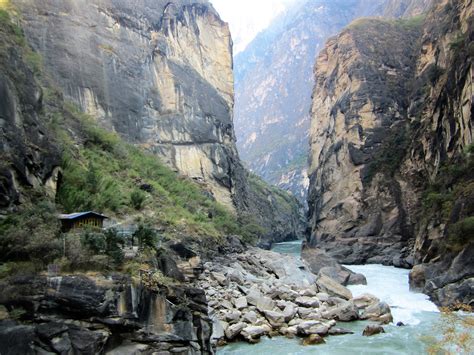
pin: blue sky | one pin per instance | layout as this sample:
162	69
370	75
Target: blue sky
247	18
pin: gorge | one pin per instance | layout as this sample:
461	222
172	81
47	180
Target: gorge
127	109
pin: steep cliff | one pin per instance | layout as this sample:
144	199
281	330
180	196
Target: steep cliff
273	84
159	74
29	156
274	81
391	117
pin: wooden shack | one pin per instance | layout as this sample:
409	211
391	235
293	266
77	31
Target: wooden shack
81	220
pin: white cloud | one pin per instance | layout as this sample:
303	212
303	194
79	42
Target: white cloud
247	18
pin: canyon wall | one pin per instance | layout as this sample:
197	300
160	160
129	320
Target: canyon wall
391	121
159	73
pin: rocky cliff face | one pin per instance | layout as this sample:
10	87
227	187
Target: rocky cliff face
159	73
392	111
274	81
29	157
273	84
95	315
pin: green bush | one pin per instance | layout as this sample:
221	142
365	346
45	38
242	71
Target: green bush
31	234
137	198
461	233
146	237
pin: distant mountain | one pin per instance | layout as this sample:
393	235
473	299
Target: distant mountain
274	81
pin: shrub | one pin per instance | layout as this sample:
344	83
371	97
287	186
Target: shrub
461	233
146	237
31	234
137	198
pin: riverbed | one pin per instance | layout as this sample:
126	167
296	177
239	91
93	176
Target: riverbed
420	316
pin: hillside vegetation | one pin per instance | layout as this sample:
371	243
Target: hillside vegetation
100	172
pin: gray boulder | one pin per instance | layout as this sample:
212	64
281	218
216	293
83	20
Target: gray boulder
373	330
344	312
232	331
276	319
333	288
378	312
253	333
312	327
305	301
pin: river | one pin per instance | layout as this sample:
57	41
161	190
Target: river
420	316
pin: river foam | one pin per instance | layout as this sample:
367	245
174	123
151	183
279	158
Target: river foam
390	284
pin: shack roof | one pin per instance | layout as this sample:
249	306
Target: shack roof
76	215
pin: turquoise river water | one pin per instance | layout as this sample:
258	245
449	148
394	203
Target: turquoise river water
420	316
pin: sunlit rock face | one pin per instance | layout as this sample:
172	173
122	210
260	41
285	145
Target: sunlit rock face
157	72
274	83
391	113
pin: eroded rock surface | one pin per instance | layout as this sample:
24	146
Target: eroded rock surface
95	315
391	119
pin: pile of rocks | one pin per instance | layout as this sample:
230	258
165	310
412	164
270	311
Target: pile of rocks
262	293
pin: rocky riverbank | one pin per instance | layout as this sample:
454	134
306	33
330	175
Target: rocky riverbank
262	293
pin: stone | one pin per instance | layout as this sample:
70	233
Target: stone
253	333
225	304
317	259
276	319
417	277
322	296
373	330
344	312
308	292
307	301
250	317
262	303
218	329
379	311
220	278
240	302
232	316
339	331
289	312
128	349
313	339
365	300
233	330
333	288
356	279
312	327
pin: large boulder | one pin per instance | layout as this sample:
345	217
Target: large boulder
373	330
312	327
379	311
313	339
344	312
276	319
263	303
253	333
289	312
365	300
333	288
232	331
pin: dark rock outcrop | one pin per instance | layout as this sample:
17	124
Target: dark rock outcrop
29	156
79	314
